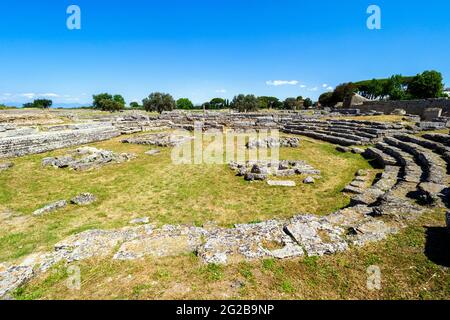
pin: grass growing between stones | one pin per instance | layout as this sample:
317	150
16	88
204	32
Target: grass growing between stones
414	265
166	193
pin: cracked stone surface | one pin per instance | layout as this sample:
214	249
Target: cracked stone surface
261	170
317	235
272	142
50	208
159	139
87	158
83	199
281	183
371	230
13	278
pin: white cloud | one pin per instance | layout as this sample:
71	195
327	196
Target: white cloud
302	86
221	91
49	95
32	95
28	95
277	83
313	89
330	88
324	85
73	99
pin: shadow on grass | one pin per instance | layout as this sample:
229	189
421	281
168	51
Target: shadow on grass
437	247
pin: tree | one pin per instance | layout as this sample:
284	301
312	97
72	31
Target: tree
375	89
39	103
108	102
307	103
293	103
426	85
119	99
42	103
28	105
325	99
98	98
159	102
245	103
111	105
269	103
217	103
135	105
395	89
185	103
341	92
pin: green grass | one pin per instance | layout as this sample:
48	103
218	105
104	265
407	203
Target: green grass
157	188
408	271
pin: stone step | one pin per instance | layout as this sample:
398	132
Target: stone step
412	172
380	157
438	137
324	137
373	134
433	166
388	180
355	127
351	136
437	147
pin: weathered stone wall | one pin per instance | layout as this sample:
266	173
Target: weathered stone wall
416	107
15	146
221	120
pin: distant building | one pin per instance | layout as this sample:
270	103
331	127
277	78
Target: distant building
354	100
447	92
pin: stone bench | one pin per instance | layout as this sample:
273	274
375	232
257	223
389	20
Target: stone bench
433	166
380	157
387	181
412	172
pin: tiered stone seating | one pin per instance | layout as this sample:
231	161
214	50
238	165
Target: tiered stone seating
386	182
437	147
411	171
343	132
381	158
434	167
437	137
423	165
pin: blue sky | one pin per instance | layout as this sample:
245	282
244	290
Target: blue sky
202	49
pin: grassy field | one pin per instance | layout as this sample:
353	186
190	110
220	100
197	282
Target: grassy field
156	188
413	264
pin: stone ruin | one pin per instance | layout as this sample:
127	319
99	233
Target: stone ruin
87	158
5	166
82	199
272	142
414	179
345	132
19	141
159	139
261	170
